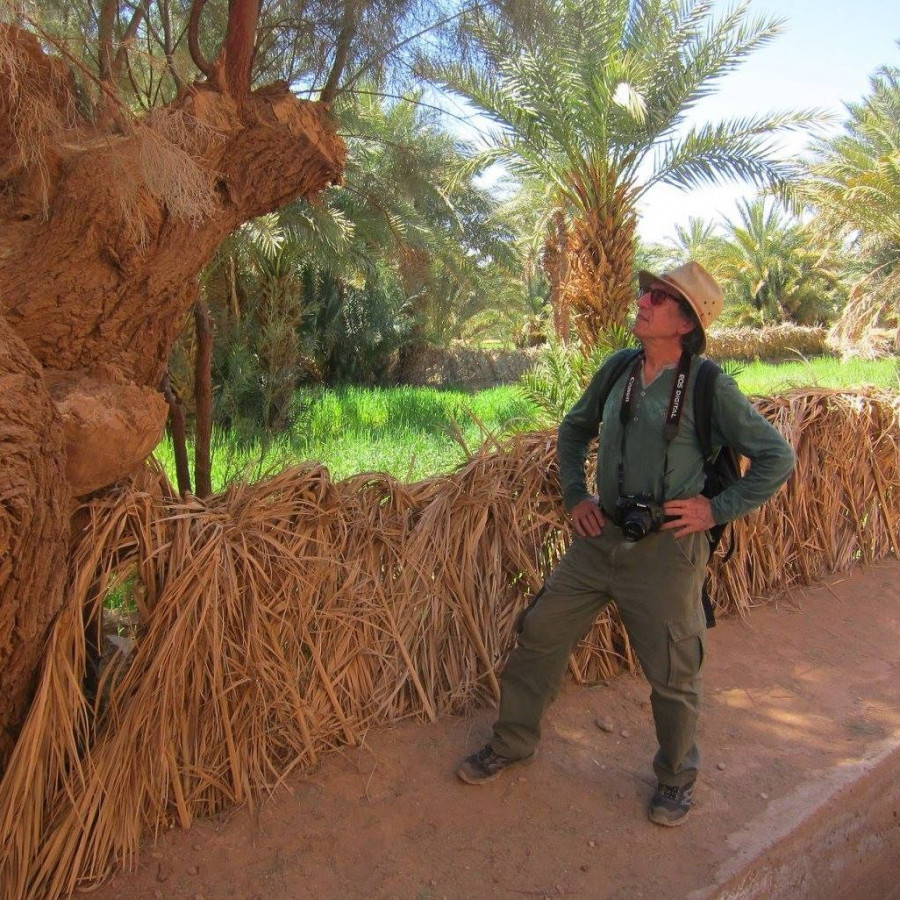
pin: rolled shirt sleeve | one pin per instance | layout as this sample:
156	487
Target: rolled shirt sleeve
737	424
579	427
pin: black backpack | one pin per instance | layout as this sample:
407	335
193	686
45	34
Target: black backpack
720	469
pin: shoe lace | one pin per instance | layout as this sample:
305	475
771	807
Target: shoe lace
485	754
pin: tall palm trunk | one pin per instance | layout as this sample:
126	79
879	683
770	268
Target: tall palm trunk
102	238
599	287
34	517
556	267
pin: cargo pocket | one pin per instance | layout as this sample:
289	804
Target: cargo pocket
687	646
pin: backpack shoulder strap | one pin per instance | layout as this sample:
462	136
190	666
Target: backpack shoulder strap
617	364
704	388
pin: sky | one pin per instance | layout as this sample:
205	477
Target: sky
824	57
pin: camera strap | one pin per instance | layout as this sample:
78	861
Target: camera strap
673	417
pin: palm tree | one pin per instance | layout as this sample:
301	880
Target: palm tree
439	244
401	253
135	137
700	240
769	262
854	185
594	102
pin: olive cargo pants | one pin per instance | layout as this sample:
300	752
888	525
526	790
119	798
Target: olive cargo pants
656	583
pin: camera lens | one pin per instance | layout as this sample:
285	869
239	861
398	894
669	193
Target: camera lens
636	525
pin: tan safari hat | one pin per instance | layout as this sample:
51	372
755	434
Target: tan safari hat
695	284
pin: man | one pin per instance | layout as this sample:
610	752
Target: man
656	578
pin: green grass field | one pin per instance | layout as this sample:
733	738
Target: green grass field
409	432
413	433
827	372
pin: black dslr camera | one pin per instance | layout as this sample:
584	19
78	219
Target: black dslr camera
637	515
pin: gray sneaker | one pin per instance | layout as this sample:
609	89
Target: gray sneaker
485	765
670	804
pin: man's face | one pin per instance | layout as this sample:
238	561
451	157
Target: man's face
659	315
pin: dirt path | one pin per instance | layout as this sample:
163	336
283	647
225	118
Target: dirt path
805	687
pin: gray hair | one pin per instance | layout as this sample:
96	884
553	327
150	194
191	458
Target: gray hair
694	342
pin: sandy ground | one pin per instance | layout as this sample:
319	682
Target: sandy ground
806	686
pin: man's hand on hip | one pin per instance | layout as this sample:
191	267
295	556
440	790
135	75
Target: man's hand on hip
587	518
690	515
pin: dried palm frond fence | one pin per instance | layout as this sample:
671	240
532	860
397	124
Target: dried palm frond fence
284	619
773	342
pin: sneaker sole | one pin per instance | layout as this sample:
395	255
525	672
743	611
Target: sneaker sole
669	823
468	778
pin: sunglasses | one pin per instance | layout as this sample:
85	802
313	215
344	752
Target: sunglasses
657	296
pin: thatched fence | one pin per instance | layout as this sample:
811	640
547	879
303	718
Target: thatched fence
475	369
771	342
284	619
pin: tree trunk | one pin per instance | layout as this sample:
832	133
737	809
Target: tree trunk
556	267
122	274
599	289
34	527
102	239
203	401
240	44
179	436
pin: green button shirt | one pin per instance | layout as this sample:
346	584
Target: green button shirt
735	423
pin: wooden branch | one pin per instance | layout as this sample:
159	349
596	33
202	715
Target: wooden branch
352	11
206	67
169	46
179	437
239	46
203	400
151	91
133	81
60	46
231	70
380	57
106	26
130	31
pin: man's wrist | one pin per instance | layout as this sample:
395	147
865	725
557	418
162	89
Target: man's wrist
573	497
720	517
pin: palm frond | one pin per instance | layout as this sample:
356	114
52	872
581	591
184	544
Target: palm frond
741	149
265	233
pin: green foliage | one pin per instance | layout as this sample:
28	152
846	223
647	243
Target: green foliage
409	432
761	378
771	266
616	337
296	42
451	243
733	367
418	432
403	252
769	263
120	593
854	186
357	329
559	377
700	241
654	258
594	101
856	176
595	97
429	257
